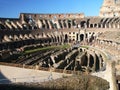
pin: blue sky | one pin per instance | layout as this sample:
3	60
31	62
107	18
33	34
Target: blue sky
12	8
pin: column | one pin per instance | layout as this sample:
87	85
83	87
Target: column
79	27
113	25
84	35
44	24
62	24
39	24
66	22
118	26
100	62
109	25
50	27
101	25
58	25
88	63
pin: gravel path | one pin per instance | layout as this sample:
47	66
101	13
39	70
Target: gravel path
15	74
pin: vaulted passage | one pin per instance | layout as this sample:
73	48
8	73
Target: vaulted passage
76	59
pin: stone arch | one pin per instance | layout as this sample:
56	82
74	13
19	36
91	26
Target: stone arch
81	37
38	35
6	38
26	36
47	35
82	24
74	22
11	37
30	27
16	37
31	36
43	35
21	36
25	26
92	37
95	25
91	25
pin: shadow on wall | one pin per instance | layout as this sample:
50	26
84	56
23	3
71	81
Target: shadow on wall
3	79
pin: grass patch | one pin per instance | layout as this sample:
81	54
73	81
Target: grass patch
84	46
47	48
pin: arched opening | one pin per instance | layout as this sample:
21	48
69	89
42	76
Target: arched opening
91	61
86	35
82	24
2	26
92	38
59	21
43	25
66	38
81	37
10	37
87	22
35	27
69	23
77	36
64	23
58	39
84	60
15	37
91	25
25	27
55	39
55	26
97	64
30	27
99	26
52	39
47	24
103	25
107	25
95	25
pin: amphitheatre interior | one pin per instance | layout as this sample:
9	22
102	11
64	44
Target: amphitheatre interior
86	40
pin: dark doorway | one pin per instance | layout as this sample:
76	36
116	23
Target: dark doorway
66	38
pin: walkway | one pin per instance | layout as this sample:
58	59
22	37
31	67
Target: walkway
15	75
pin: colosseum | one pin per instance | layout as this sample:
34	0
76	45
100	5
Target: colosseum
75	43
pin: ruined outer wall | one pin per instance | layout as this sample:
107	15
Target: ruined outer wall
51	16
